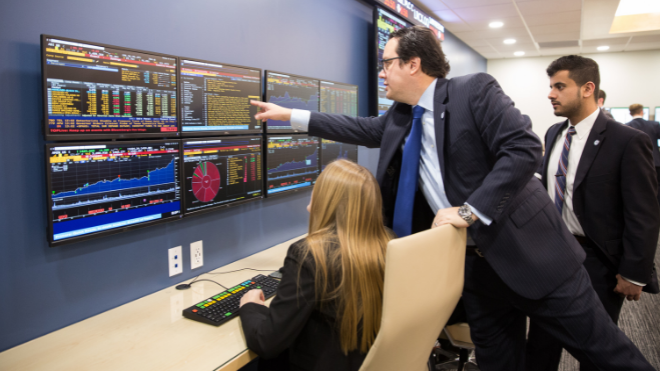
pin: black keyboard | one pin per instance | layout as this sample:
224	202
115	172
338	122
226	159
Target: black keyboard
220	308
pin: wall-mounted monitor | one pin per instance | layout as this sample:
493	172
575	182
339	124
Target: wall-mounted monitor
385	23
221	171
339	98
656	116
215	98
622	114
290	91
292	163
97	91
342	99
98	188
331	150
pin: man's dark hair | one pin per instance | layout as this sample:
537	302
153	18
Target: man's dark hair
580	69
601	94
418	41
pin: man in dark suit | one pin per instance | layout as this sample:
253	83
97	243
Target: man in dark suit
458	152
601	177
601	101
652	129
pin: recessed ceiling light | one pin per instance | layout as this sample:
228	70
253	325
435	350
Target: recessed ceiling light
602	48
510	41
496	24
519	54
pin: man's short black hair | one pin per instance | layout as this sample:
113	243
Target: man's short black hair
580	69
418	41
601	94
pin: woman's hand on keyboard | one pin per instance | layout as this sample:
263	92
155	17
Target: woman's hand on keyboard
253	296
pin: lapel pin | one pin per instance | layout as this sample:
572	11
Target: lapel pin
596	142
442	115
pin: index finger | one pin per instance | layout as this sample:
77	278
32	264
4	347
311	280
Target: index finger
257	103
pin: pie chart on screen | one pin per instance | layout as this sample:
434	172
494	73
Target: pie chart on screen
205	181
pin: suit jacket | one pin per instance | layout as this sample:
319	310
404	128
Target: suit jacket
488	154
296	324
652	129
614	195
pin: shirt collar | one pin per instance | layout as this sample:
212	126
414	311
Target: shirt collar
583	128
638	117
426	100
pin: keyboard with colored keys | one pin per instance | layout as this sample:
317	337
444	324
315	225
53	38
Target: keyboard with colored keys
224	306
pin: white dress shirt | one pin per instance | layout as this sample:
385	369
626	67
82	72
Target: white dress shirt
430	176
579	141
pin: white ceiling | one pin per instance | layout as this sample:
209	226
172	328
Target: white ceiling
536	25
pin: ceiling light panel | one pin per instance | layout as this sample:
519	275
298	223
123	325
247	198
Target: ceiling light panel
496	24
509	41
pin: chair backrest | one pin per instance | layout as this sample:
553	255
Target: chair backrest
424	276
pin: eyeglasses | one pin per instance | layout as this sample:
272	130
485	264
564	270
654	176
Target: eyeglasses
385	64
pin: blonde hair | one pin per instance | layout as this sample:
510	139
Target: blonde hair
347	241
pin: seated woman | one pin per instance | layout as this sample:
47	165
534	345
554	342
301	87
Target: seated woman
327	309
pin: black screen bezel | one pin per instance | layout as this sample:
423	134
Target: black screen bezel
266	96
67	137
49	213
184	194
210	133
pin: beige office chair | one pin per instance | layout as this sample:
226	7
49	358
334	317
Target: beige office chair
423	283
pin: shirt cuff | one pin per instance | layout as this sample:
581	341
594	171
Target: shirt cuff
300	119
633	282
538	176
484	219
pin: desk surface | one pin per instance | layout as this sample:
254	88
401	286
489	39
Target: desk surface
150	333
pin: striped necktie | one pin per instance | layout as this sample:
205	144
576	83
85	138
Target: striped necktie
562	169
405	195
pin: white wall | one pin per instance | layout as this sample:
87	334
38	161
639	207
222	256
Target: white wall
627	78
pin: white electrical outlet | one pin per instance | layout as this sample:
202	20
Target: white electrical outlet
196	254
175	260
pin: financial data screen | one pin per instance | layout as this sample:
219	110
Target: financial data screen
218	171
292	162
656	117
98	187
96	91
331	150
291	92
386	23
339	98
216	98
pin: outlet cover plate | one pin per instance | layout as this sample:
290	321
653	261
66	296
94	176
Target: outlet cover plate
196	254
175	261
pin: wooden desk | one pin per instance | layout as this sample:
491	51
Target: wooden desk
150	333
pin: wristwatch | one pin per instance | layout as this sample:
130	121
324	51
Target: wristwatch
465	212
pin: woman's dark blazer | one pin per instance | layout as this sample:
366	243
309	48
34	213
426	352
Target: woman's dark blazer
295	323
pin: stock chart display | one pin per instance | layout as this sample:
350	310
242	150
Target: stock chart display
216	98
220	171
97	187
292	162
339	98
331	150
291	92
386	23
92	89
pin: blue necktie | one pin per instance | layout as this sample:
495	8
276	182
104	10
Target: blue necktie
560	176
405	195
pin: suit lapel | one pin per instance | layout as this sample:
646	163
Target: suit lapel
554	135
594	142
439	117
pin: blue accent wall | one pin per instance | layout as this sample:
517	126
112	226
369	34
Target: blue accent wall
43	289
